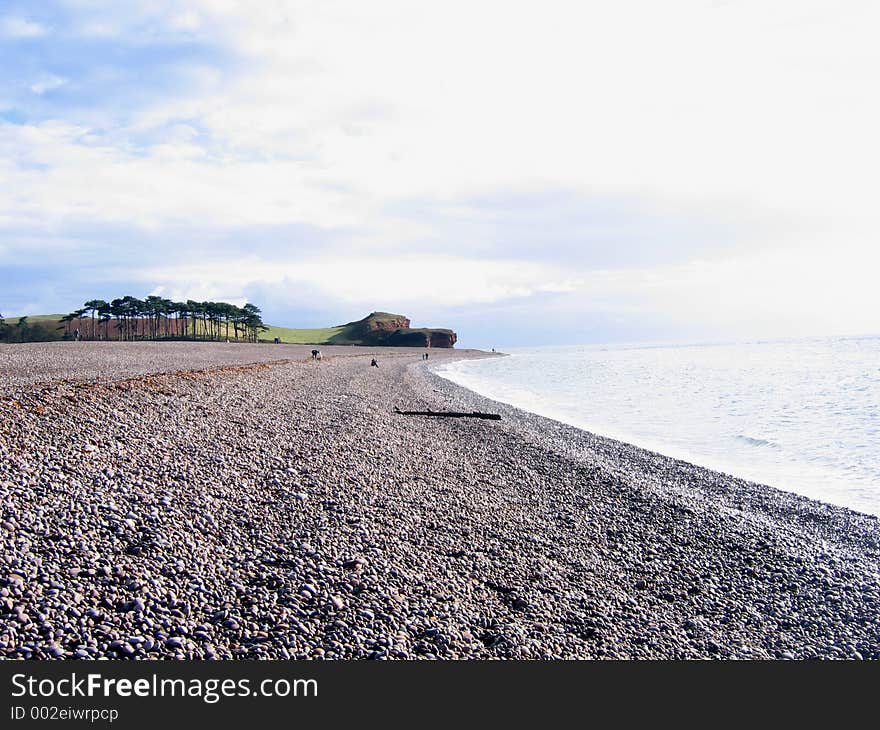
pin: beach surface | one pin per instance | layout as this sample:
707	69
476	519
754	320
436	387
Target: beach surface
199	500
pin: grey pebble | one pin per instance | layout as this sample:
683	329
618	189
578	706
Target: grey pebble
284	511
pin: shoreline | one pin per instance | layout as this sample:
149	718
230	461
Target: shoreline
284	511
814	486
560	428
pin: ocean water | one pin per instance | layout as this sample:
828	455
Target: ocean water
799	415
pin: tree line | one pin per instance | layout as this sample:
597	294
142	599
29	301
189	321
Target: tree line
154	318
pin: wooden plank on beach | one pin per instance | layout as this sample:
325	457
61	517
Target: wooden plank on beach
451	414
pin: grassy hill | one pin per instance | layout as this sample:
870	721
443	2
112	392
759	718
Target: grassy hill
37	328
38	318
378	328
292	336
51	327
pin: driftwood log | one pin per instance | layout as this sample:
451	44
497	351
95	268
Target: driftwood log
451	414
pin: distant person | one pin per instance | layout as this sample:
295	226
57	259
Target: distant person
76	335
493	349
373	363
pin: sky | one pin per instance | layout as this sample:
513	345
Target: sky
523	172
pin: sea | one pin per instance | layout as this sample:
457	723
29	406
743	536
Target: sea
799	415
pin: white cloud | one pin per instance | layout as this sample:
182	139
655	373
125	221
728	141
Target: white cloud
47	83
766	294
358	281
675	99
12	27
187	20
680	101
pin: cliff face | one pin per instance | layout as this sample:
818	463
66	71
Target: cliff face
377	325
442	338
384	328
421	337
384	322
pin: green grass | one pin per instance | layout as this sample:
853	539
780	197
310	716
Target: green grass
291	336
35	318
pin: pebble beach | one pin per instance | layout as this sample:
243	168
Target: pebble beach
225	501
